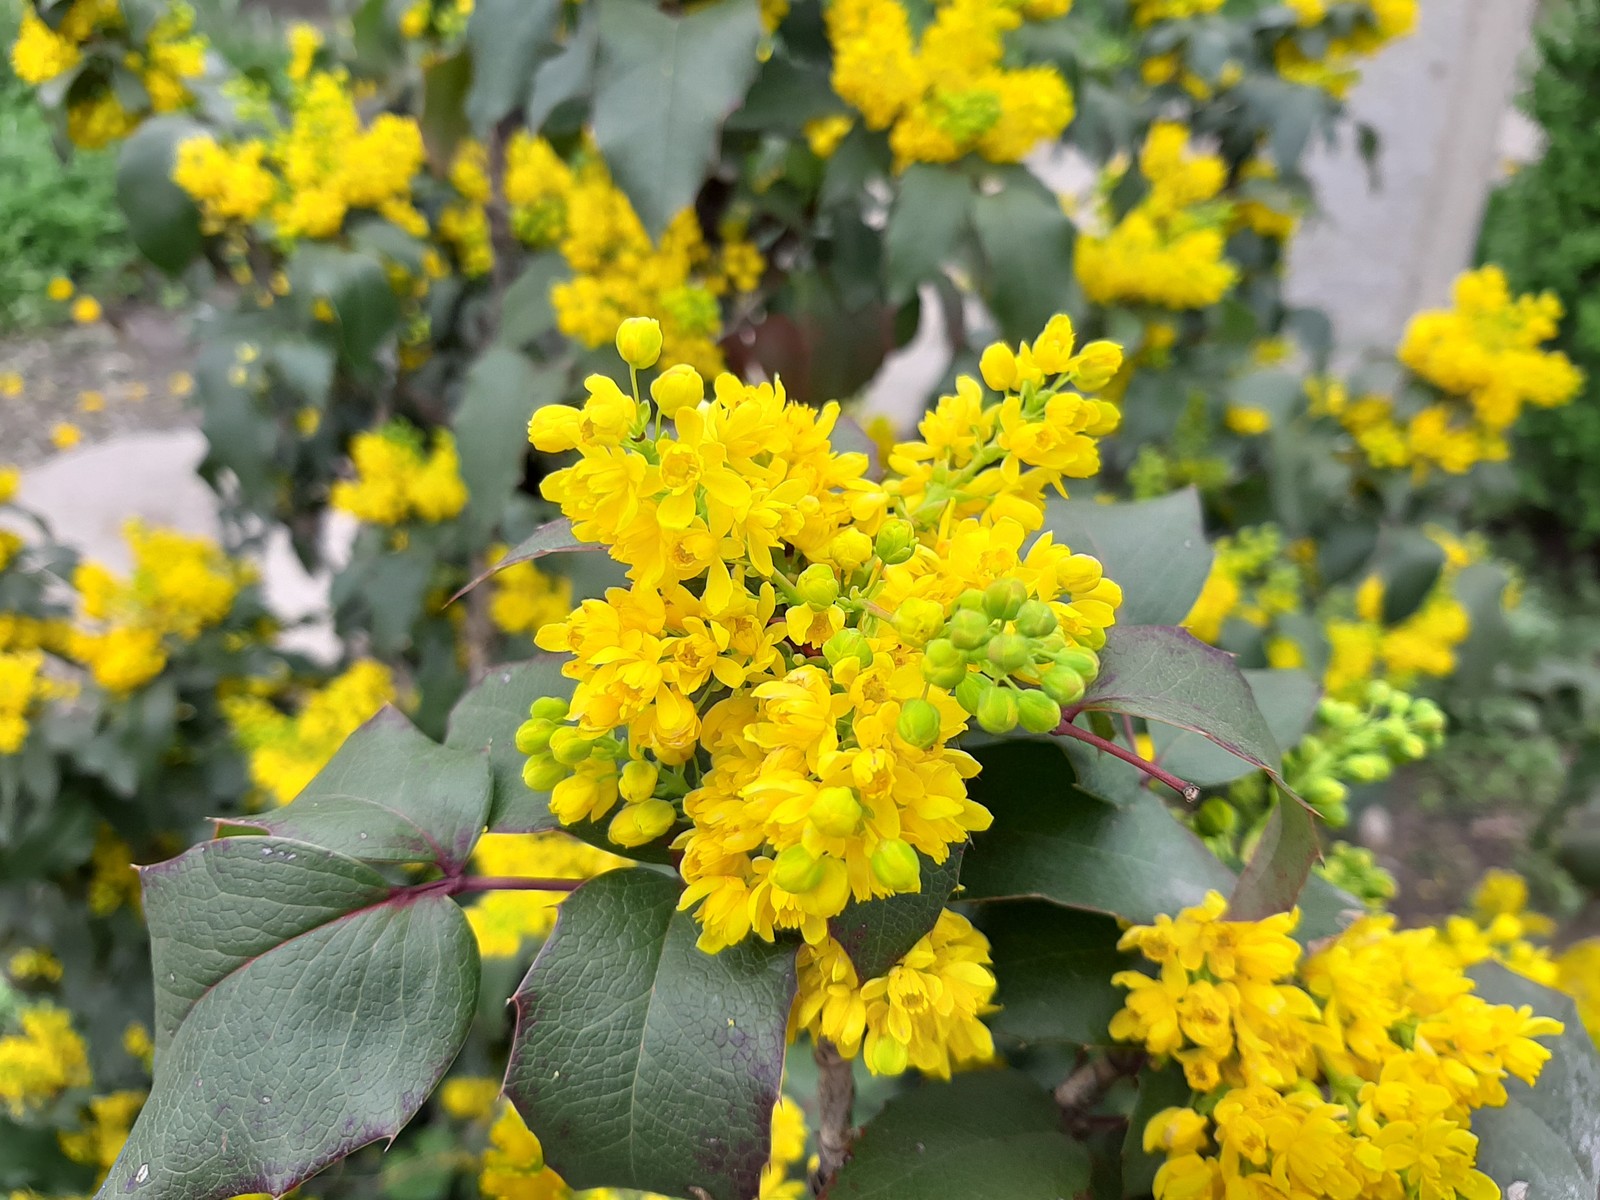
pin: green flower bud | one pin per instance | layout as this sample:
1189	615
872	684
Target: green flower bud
836	812
971	598
1010	652
1036	619
997	710
847	643
896	542
918	620
609	749
1004	598
533	737
969	629
818	586
548	708
942	664
569	747
1085	662
1336	815
918	724
1216	816
1093	639
1324	792
970	691
1037	712
1338	715
1427	717
541	774
638	824
638	781
1063	685
1413	747
896	865
1367	768
796	870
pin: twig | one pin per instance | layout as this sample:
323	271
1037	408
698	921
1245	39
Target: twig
477	631
836	1096
1080	1091
1188	791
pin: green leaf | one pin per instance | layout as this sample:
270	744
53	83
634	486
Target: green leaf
1164	674
357	288
556	537
1287	700
1545	1136
642	1062
989	1135
487	718
566	75
444	106
877	934
785	96
1027	243
663	87
1155	550
1051	841
390	794
503	388
1054	966
1159	1088
1273	879
505	37
1280	394
1408	561
928	219
305	1009
162	220
525	311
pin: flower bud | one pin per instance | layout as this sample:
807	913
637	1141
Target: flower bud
836	812
942	664
1004	598
918	620
998	366
637	824
638	781
1367	768
1036	619
1084	661
533	737
971	598
1010	652
1426	717
1323	792
1037	712
818	586
1412	747
569	747
918	724
896	542
850	548
1337	714
639	342
969	629
541	774
796	870
969	692
895	864
885	1056
677	388
1063	685
1216	816
997	710
847	643
1097	365
549	708
1052	349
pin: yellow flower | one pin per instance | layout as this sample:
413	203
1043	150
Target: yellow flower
64	436
60	289
41	1060
40	54
398	479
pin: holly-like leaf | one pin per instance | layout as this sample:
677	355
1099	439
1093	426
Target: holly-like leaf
505	37
928	219
525	310
663	87
162	219
487	718
1026	242
1054	966
1545	1136
566	75
503	388
641	1061
1155	550
554	538
1159	1088
1050	841
357	288
1273	879
988	1135
391	794
305	1009
1288	702
877	933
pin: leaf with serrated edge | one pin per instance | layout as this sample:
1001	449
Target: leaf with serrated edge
1273	879
877	933
391	794
1287	700
316	1011
988	1135
642	1062
555	538
487	718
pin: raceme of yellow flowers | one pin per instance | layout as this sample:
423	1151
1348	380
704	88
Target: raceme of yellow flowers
1352	1073
1334	70
287	750
23	686
618	270
524	599
171	54
1168	250
947	94
400	477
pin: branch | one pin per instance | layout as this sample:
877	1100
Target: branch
836	1096
477	631
1081	1091
1188	791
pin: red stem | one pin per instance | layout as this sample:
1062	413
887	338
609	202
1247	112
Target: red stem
1188	791
454	885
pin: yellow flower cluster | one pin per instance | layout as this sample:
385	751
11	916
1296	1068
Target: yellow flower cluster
41	1059
179	587
1252	579
524	599
819	635
23	685
101	1139
400	478
1148	12
171	54
307	176
1334	70
1352	1074
503	921
1168	250
617	269
464	224
948	93
925	1013
287	751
